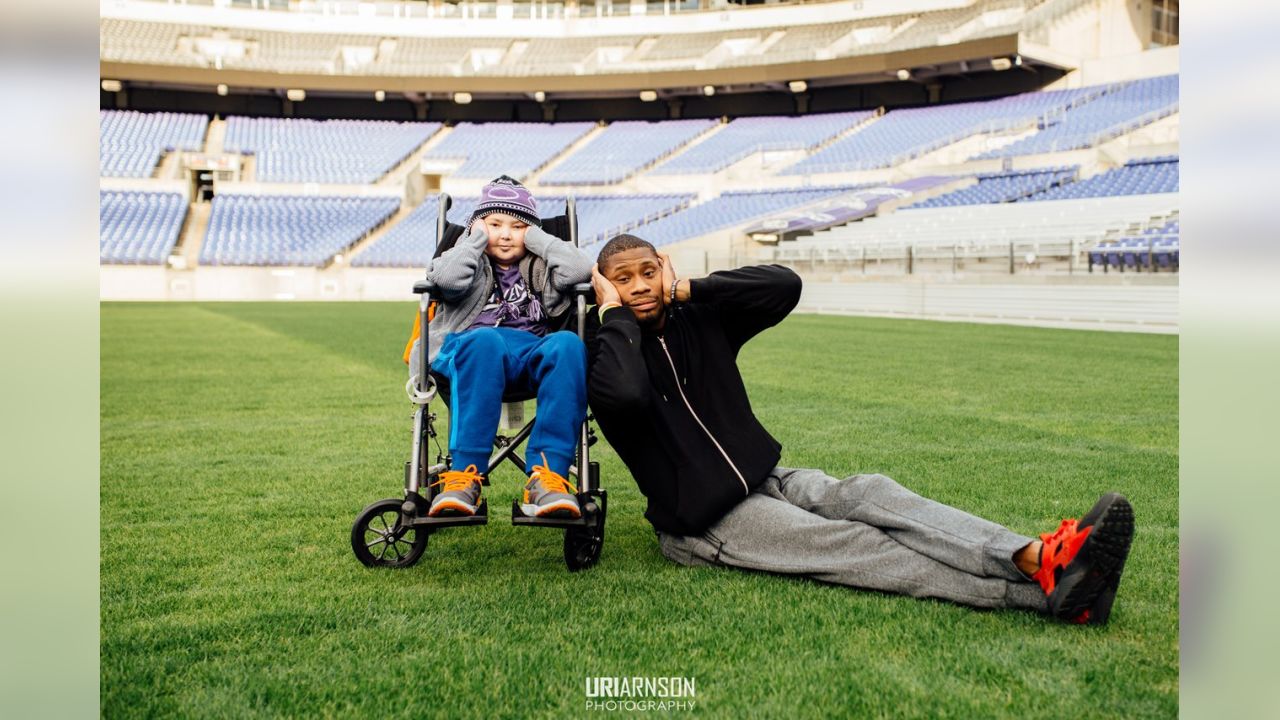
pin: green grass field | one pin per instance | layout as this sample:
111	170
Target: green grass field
239	441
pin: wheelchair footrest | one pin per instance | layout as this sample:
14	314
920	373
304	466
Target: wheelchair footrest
519	518
480	518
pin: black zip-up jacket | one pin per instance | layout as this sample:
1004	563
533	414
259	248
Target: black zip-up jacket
672	403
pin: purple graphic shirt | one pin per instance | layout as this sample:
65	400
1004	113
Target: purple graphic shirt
511	304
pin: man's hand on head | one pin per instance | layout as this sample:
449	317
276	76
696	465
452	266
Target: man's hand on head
669	276
605	290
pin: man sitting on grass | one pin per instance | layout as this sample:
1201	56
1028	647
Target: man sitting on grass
664	385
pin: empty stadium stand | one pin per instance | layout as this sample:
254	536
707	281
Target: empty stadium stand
724	134
412	241
623	149
603	216
727	210
1058	228
226	45
147	42
138	227
1137	177
744	136
806	42
325	151
1001	187
1155	248
487	150
289	230
904	134
414	56
130	144
1118	111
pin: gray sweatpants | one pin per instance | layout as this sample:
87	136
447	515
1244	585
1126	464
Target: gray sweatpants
866	531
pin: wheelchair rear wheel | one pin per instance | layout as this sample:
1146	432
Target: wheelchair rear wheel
379	540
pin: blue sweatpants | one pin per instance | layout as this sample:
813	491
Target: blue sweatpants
482	362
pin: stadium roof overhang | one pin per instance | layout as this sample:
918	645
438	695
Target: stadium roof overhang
922	63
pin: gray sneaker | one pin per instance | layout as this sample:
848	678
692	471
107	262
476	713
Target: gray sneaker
547	494
460	495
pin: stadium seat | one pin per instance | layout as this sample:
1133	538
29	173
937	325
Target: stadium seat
130	144
904	134
289	229
138	228
324	151
623	149
1001	187
728	210
487	150
1117	111
1138	177
744	136
411	242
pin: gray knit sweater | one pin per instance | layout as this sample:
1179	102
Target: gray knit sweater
463	278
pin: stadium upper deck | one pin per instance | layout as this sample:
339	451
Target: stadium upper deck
571	49
825	98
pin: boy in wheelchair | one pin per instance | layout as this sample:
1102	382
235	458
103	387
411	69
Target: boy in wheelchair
501	288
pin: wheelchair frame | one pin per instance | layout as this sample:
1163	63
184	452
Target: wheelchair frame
394	532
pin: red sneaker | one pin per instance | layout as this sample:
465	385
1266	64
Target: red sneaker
1081	562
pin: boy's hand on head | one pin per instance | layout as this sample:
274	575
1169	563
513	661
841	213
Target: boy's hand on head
605	290
478	225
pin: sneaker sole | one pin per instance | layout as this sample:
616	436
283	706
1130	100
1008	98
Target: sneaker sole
559	509
451	508
1090	581
1100	612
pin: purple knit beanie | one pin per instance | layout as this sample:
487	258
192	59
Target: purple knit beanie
507	195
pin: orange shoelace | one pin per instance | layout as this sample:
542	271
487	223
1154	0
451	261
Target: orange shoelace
1059	548
458	480
551	480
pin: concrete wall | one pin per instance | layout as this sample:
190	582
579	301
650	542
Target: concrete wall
131	282
1126	66
1110	302
1136	306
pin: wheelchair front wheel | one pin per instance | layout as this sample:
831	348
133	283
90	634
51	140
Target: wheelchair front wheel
379	540
582	547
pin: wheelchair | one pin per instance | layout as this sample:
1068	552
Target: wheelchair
394	532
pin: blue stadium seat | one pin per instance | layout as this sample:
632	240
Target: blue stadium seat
130	144
1121	109
138	228
324	151
488	150
288	229
412	241
744	136
904	134
623	149
1138	177
1001	187
728	210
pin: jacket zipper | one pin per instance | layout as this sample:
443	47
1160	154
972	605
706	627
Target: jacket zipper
697	419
